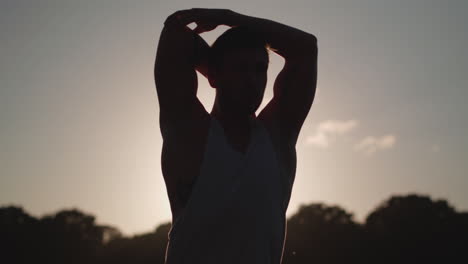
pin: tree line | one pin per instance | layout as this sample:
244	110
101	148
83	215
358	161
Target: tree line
402	229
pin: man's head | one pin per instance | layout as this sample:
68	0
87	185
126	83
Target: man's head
238	65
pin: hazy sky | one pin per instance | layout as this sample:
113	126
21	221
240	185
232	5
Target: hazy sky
80	116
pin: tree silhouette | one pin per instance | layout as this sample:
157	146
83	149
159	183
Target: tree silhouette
72	236
411	228
18	235
145	248
322	234
110	233
403	229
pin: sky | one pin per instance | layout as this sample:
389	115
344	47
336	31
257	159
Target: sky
79	112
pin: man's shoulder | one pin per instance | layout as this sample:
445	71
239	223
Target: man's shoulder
188	129
279	135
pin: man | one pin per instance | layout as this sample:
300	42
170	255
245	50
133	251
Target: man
228	173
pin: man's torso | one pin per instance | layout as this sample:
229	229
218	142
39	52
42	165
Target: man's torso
183	156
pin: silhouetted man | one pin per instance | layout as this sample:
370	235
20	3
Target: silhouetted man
228	173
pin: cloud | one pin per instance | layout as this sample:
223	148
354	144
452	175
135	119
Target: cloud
370	145
328	129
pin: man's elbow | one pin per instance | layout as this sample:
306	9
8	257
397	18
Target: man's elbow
312	46
309	51
313	39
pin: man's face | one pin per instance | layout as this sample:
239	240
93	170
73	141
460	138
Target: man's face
241	81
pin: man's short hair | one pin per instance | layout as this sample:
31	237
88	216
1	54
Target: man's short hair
233	39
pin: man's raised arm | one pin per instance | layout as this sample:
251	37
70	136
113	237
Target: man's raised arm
294	87
177	58
289	42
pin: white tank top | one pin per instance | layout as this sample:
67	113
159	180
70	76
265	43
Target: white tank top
236	212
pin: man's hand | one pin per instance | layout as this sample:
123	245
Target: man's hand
206	19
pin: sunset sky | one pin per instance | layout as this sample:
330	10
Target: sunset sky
80	116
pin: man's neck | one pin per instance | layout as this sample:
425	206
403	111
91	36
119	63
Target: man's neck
232	121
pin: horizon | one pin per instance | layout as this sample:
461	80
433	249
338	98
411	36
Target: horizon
295	213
